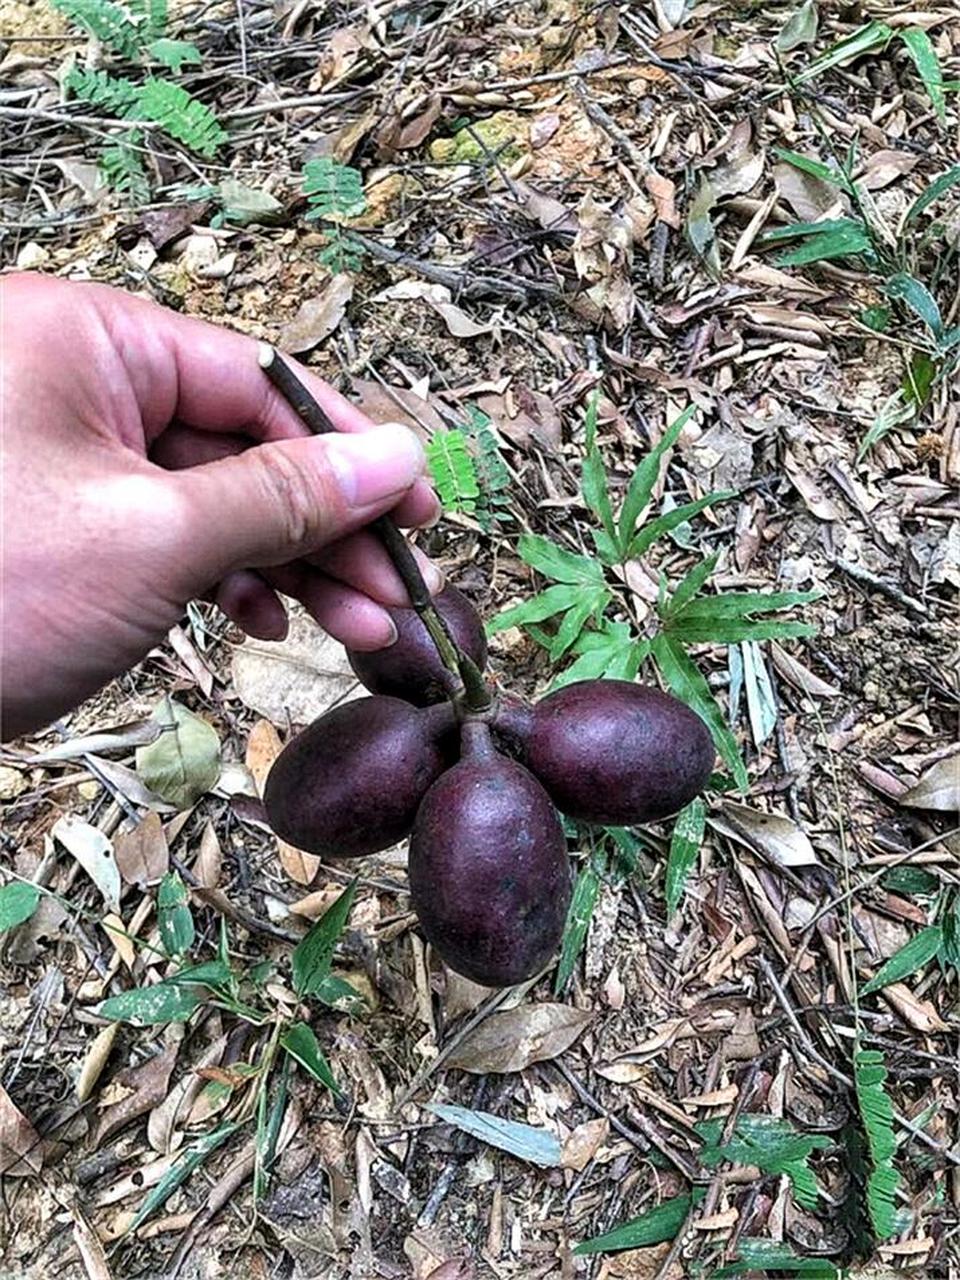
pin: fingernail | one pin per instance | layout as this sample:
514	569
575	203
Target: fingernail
375	464
435	518
432	577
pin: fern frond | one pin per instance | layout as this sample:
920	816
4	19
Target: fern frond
106	21
334	191
876	1111
453	472
110	93
151	16
492	471
122	166
181	115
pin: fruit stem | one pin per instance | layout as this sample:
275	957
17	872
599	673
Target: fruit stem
476	694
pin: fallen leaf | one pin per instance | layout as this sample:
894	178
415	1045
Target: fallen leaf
549	212
938	788
184	762
662	192
779	838
383	403
293	681
459	324
802	677
12	783
145	1086
538	1146
142	855
95	1060
209	859
318	317
88	177
94	851
511	1041
263	747
301	867
884	167
21	1153
808	197
120	939
919	1014
583	1143
817	502
89	1248
395	135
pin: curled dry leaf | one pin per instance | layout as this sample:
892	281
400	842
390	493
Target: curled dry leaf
779	838
94	851
263	747
21	1153
209	859
938	788
801	677
511	1041
396	404
95	1061
142	855
147	1086
583	1143
318	317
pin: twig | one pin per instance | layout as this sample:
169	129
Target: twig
868	579
476	694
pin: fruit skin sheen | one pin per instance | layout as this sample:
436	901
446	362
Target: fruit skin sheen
612	752
489	872
351	782
410	668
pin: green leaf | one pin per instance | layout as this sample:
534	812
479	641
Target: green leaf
700	229
763	1255
557	563
800	28
876	1111
690	585
268	1130
815	168
122	166
173	915
919	378
593	476
184	761
300	1042
537	1146
876	318
936	189
892	413
338	994
181	115
312	956
591	603
579	914
741	604
656	1226
921	50
211	973
684	847
951	928
452	471
686	681
911	957
846	243
105	21
175	54
866	39
18	902
771	1144
912	880
721	630
334	191
153	1006
664	524
802	230
111	93
190	1159
610	652
918	298
640	489
546	605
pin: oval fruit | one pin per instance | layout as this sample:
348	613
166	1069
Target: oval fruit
489	872
350	784
410	668
613	752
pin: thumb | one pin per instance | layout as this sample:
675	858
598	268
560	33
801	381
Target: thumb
276	502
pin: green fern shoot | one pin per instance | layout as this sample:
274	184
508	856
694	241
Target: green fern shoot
121	164
876	1111
453	471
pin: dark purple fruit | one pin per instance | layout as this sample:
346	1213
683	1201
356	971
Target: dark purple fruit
612	752
410	668
350	784
488	867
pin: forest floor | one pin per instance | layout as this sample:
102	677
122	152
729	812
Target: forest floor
535	207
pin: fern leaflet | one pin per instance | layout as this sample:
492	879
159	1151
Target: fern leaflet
106	21
876	1111
111	93
453	472
182	116
334	191
151	16
122	166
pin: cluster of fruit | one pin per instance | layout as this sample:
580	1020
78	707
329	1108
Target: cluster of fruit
479	789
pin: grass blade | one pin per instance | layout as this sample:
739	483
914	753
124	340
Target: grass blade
579	915
657	1225
936	189
911	957
921	50
684	847
178	1173
866	39
816	169
918	298
670	520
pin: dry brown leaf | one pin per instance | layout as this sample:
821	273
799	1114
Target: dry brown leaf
21	1153
119	937
459	324
884	167
146	1086
209	859
142	855
772	834
301	867
315	904
95	1061
938	788
662	192
89	1247
920	1014
546	210
511	1041
396	404
455	1269
801	677
810	198
263	747
643	1264
817	502
293	681
318	317
395	135
583	1143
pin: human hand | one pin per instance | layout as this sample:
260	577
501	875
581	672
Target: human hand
147	461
